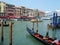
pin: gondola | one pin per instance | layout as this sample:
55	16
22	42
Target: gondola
47	41
6	24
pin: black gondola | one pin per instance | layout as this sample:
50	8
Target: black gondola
6	24
47	41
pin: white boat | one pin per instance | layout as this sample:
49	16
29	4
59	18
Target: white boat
36	20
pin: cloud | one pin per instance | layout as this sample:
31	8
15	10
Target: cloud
58	10
47	11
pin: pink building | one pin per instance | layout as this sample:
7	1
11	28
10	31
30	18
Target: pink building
9	10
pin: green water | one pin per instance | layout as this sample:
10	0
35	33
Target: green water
22	37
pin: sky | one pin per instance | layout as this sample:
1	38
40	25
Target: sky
45	5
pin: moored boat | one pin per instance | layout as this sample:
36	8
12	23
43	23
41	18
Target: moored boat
6	23
35	20
46	41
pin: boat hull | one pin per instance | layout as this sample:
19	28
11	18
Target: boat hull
5	24
41	40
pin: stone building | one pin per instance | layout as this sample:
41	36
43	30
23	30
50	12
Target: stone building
17	11
10	10
6	9
2	8
38	13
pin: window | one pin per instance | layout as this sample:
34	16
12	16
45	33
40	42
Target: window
10	14
10	10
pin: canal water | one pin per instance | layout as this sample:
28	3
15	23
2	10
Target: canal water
22	37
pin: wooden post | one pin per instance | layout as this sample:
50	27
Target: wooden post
10	25
47	32
33	26
53	33
2	31
37	26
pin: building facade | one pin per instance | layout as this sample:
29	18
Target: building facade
10	10
23	9
6	9
17	11
37	13
2	8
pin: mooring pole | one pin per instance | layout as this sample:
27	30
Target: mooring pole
47	32
2	30
10	25
33	26
54	33
37	27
